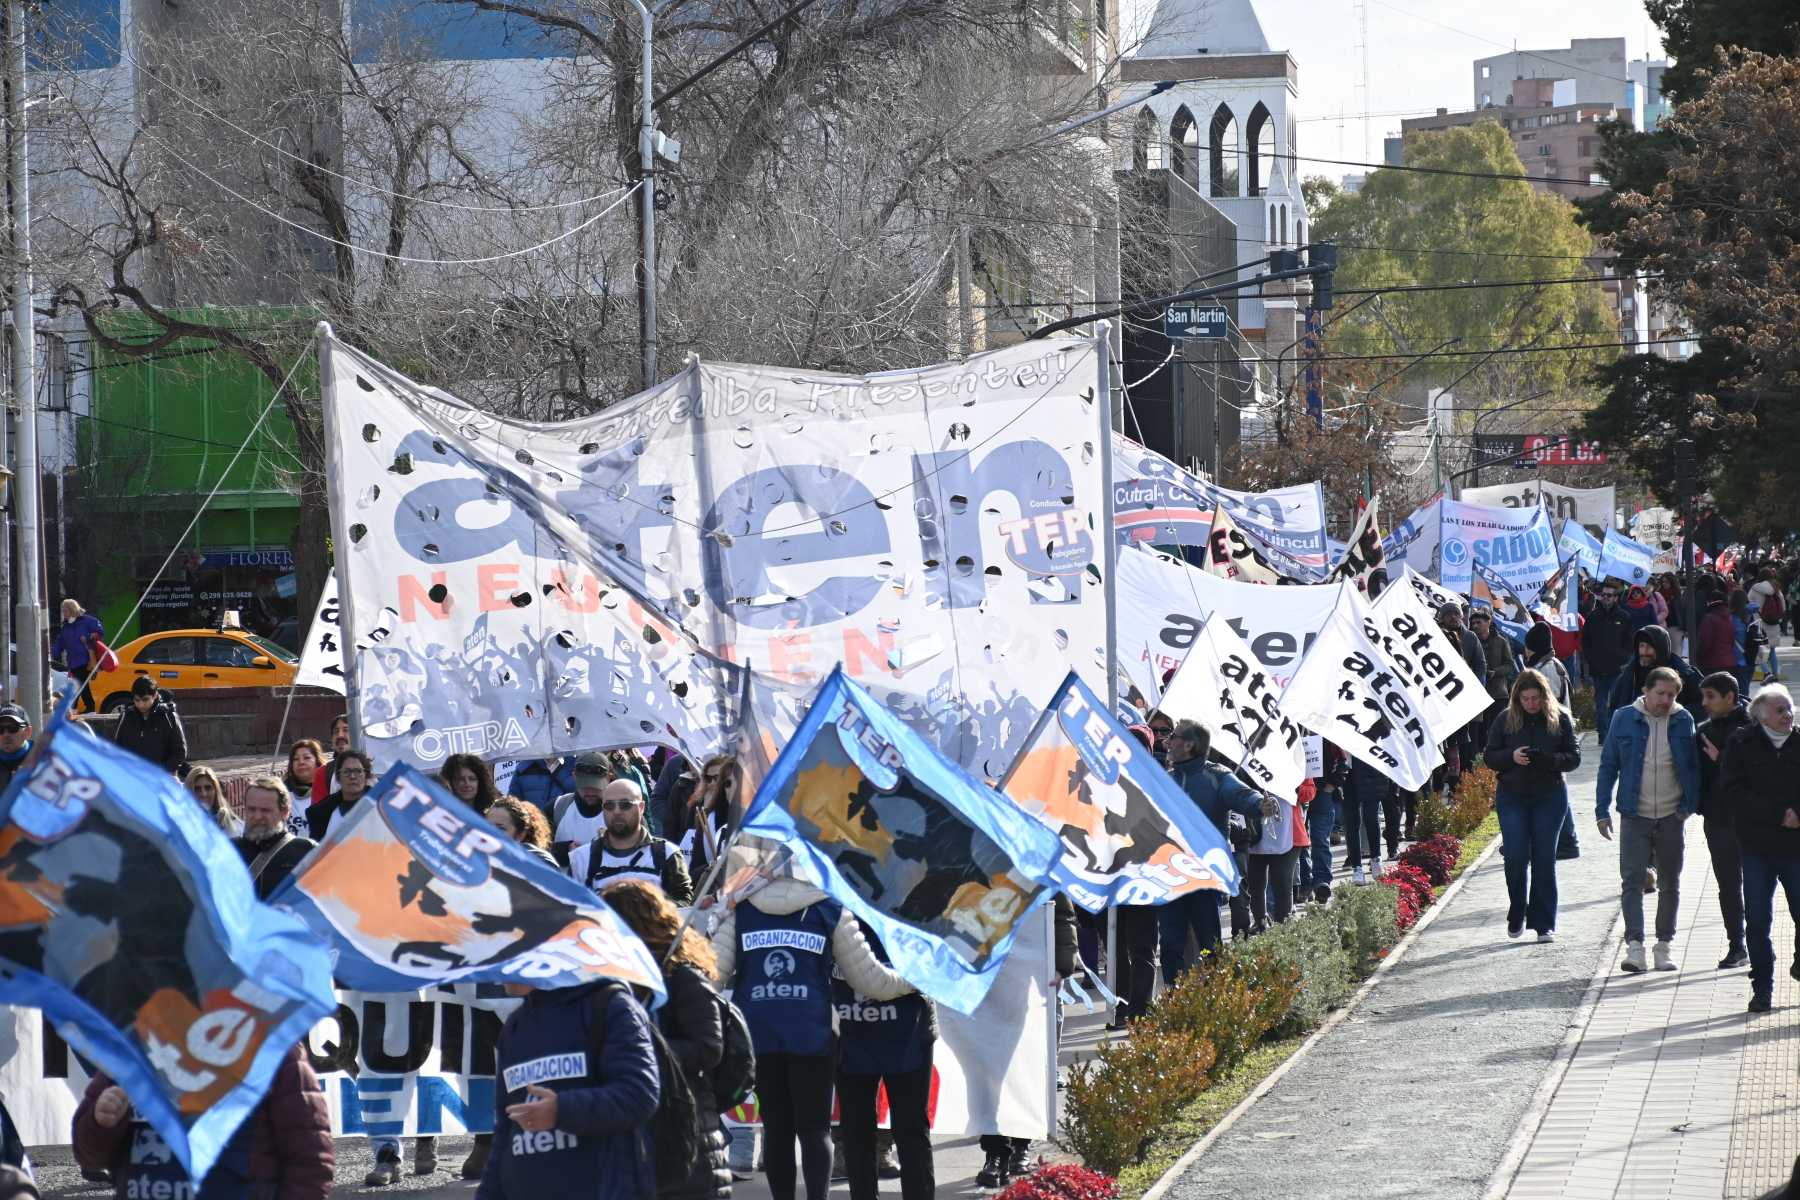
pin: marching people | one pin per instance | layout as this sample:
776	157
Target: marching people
578	817
1467	740
776	951
691	1021
1726	714
1540	656
204	786
283	1149
1272	867
1502	664
542	780
576	1085
15	741
1649	757
1606	648
1760	781
306	758
1135	929
1321	823
628	850
1650	650
468	779
885	1045
709	814
355	775
1367	795
1530	747
524	823
151	729
326	779
268	844
1217	793
1747	638
1770	603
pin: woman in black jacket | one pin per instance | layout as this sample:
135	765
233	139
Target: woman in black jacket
1531	746
690	1021
1759	779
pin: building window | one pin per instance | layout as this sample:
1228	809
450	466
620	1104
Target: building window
1487	72
1544	150
1260	139
1184	146
1487	98
1225	152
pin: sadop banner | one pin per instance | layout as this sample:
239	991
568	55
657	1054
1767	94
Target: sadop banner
1222	686
939	864
1163	602
128	917
1515	543
414	889
557	588
1448	692
1592	507
1625	559
1130	835
1349	693
1577	541
1157	502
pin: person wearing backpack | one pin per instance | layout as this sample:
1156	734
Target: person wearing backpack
886	1042
776	951
626	849
693	1022
1771	607
577	1086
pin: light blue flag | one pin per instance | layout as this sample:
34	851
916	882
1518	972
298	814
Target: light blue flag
1130	835
128	917
1622	558
1585	546
943	867
414	889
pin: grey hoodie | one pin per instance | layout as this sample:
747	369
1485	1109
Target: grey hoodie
1659	794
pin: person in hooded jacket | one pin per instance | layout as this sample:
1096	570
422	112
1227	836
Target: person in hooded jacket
1760	780
776	951
576	1086
1651	649
1726	713
282	1150
692	1023
1714	648
1606	648
885	1043
151	729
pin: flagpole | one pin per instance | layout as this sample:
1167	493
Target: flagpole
340	536
1109	557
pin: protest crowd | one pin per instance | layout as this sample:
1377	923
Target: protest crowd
705	965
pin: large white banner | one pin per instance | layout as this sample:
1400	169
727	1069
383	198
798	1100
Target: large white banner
1448	691
1515	543
1592	507
1230	555
1156	502
564	587
1222	686
1163	602
1348	692
1414	543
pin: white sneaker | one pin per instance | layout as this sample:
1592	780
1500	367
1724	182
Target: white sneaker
1358	878
1665	957
1634	958
1375	869
1546	936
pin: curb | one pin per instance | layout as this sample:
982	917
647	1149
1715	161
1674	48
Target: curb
1167	1180
1519	1144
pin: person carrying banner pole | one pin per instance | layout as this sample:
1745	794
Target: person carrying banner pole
1216	793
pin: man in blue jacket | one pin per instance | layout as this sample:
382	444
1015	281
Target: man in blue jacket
1217	793
1651	757
576	1084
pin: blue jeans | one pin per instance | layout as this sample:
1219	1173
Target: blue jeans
1529	826
1603	686
1362	821
1196	911
1321	820
1761	873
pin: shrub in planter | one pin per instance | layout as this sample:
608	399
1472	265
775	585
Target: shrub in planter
1229	999
1435	857
1310	944
1409	879
1367	922
1119	1098
1433	814
1581	706
1472	802
1062	1181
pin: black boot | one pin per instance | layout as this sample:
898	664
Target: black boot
993	1172
1015	1162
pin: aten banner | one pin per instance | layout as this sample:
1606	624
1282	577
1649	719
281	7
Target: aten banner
544	589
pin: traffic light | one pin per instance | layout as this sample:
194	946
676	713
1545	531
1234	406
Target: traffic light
1323	257
1283	260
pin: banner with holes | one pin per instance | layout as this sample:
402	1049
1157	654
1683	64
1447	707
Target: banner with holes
538	589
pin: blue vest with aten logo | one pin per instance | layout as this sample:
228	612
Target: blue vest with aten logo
881	1037
784	978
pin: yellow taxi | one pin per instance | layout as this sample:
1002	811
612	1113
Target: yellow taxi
182	660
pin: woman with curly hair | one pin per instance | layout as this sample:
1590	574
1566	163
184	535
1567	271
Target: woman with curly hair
306	758
524	823
470	781
690	1021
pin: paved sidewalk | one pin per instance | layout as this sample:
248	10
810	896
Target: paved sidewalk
1674	1090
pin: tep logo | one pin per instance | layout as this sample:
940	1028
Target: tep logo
777	965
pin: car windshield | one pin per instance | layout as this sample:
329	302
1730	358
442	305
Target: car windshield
273	650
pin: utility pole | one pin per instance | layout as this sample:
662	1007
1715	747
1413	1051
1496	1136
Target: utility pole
30	618
648	145
1684	486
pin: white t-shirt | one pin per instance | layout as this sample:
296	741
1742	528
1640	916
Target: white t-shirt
616	865
576	826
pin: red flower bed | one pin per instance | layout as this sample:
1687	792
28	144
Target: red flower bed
1435	858
1415	892
1062	1181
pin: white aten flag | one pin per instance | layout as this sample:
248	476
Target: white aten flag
1363	554
1222	686
1449	693
1230	555
1162	602
1347	692
1431	594
322	657
1592	507
596	583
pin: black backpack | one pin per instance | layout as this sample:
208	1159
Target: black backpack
675	1127
735	1077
